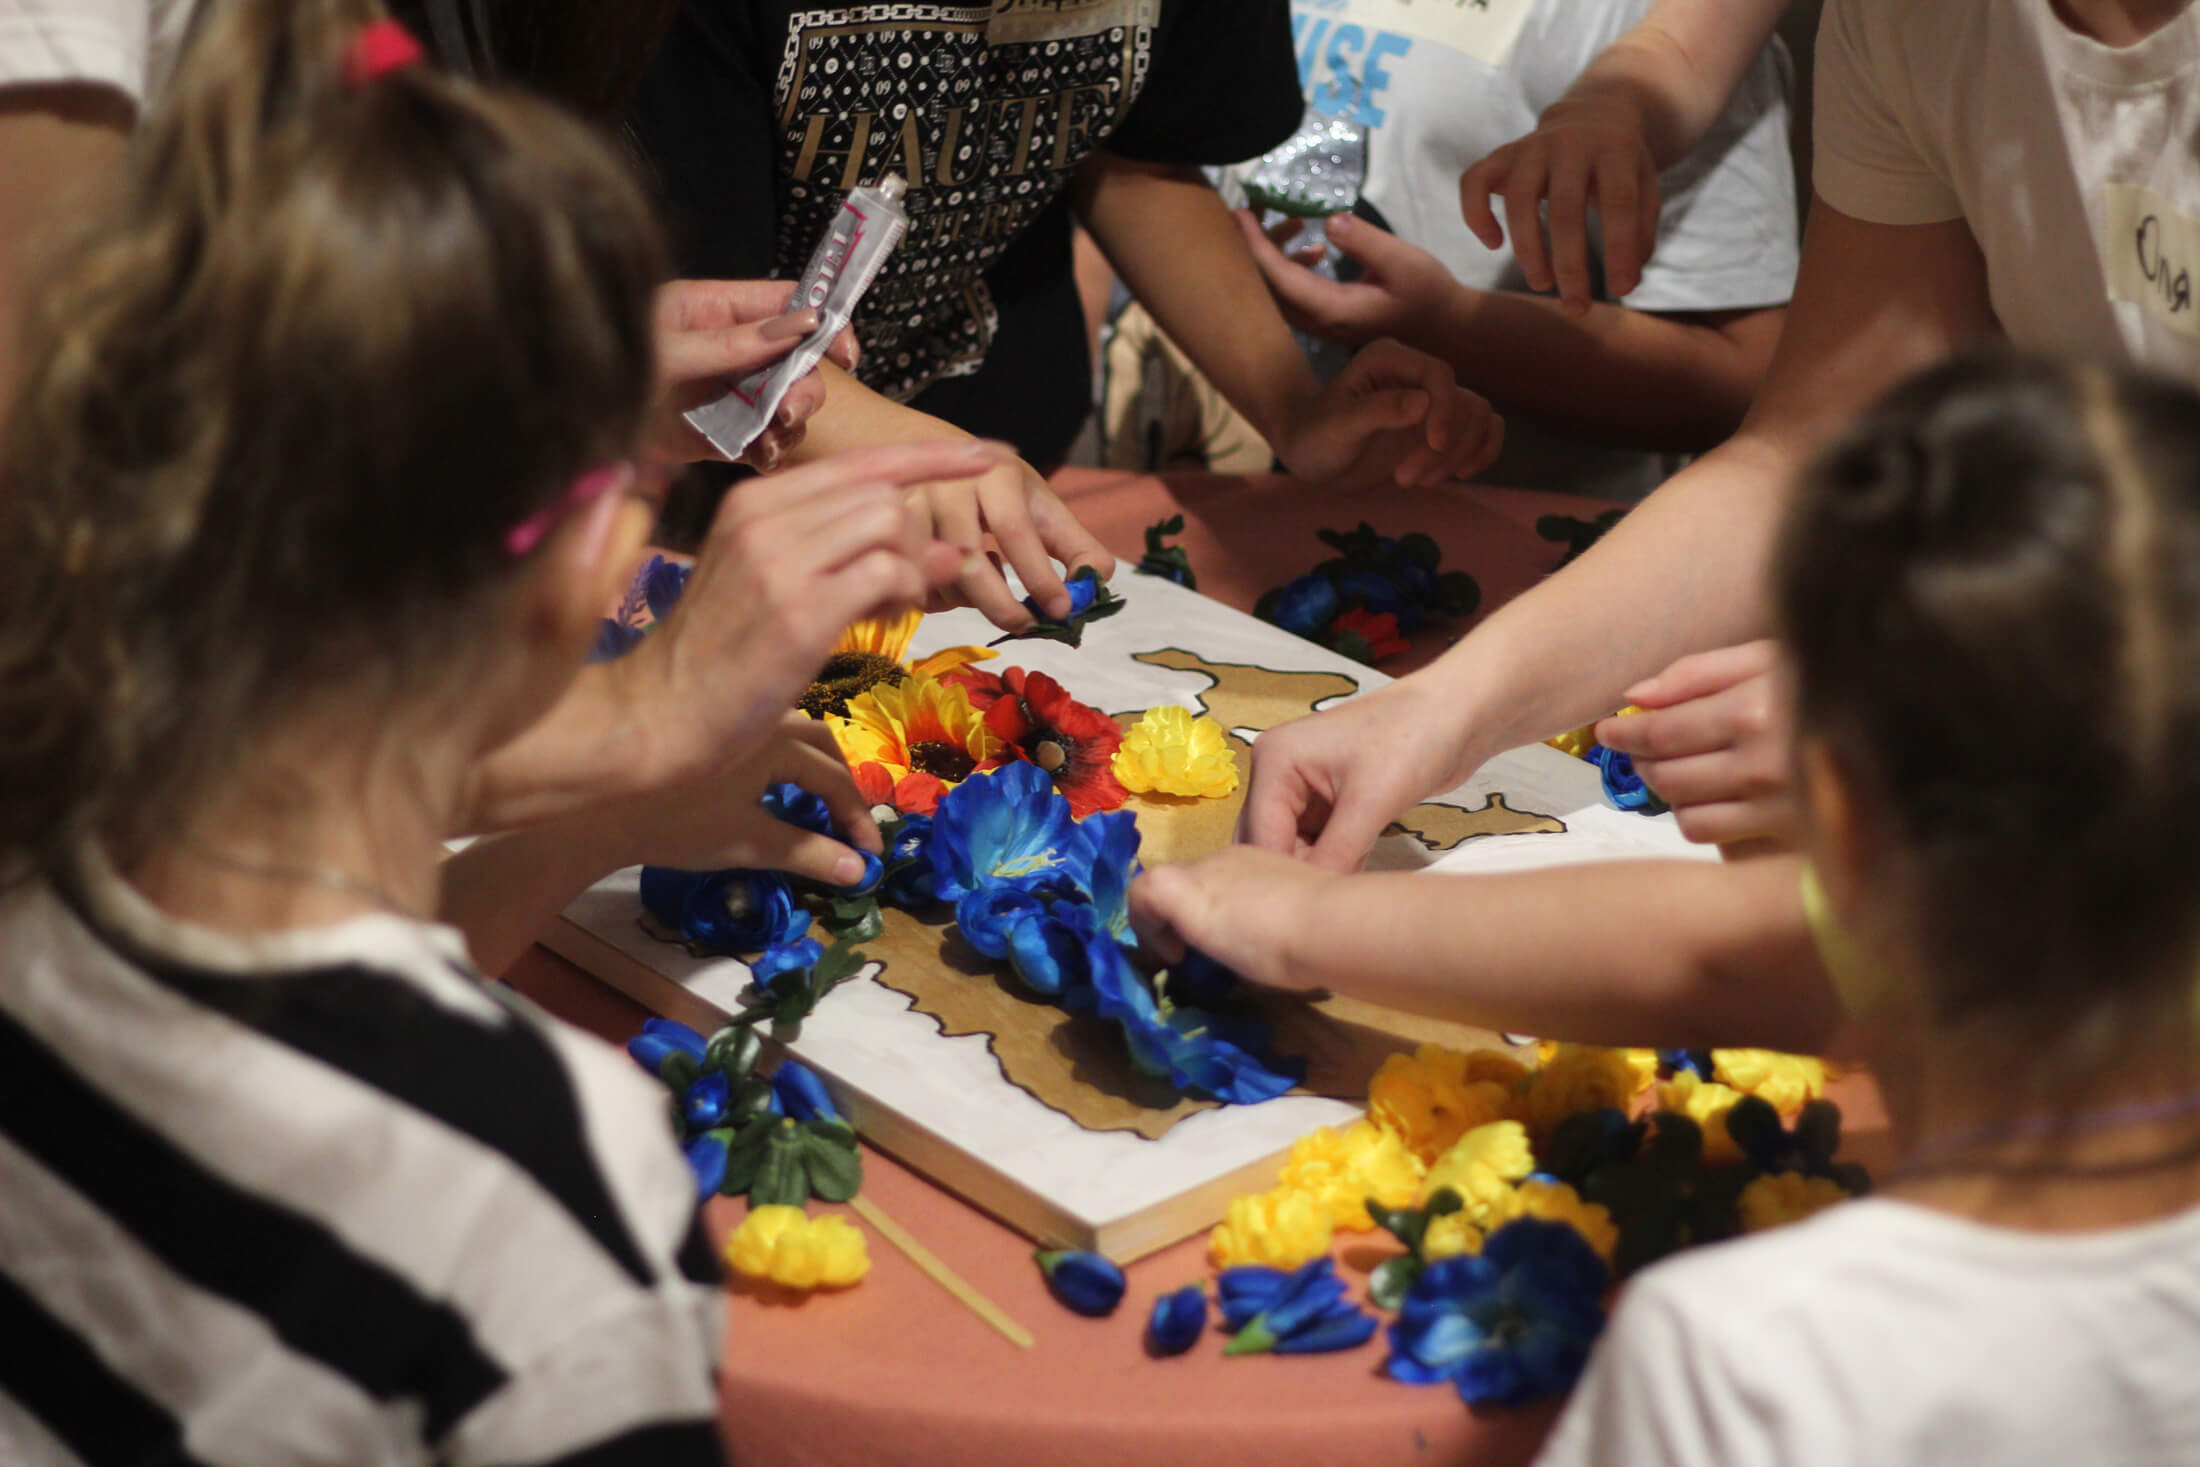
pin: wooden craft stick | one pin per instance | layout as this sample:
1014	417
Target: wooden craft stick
923	1257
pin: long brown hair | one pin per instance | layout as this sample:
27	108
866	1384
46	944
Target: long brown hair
1991	590
280	409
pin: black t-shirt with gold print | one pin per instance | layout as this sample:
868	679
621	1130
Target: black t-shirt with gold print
759	115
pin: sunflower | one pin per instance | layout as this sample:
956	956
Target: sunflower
1038	720
874	652
910	742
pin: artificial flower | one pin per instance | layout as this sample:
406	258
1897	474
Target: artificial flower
1223	1056
1090	600
990	917
1788	1081
1302	607
1450	1235
1785	1197
1170	752
1706	1102
909	743
1481	1167
1367	636
799	1095
1082	1281
1575	741
768	968
781	1244
1005	825
1622	785
662	1038
706	1158
1510	1324
1579	1077
1343	1169
1673	1061
1280	1228
874	652
707	1101
1169	562
906	873
1177	1321
725	911
1035	718
1304	1312
1588	1140
1430	1098
1554	1201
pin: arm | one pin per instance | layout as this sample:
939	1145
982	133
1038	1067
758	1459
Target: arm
1677	68
1683	572
1677	383
58	145
1676	954
1395	414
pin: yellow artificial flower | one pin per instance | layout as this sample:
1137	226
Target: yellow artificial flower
1558	1202
1787	1082
1579	1077
1785	1197
1342	1169
1449	1236
1481	1167
1170	752
781	1244
1431	1098
910	743
874	652
1706	1103
1579	741
1280	1228
1495	1066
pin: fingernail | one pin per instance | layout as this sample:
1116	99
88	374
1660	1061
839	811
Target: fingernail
794	323
982	448
848	870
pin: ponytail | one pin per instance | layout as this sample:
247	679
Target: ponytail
280	409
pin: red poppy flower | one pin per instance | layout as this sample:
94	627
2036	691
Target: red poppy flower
983	688
1377	629
1038	719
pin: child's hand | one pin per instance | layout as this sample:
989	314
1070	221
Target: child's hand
711	333
1395	415
1030	525
1404	286
1324	787
1715	744
1584	149
715	823
1241	907
791	560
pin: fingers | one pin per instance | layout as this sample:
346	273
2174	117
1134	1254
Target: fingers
1475	187
1703	673
1619	208
1065	536
1158	903
1714	778
1278	802
1308	299
978	582
701	305
1738	822
1004	498
1523	219
1740	715
778	846
1569	233
900	464
811	759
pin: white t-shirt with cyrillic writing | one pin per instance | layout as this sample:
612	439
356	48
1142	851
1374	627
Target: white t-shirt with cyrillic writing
1881	1334
2076	165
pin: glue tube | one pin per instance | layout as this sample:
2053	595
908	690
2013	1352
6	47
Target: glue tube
870	223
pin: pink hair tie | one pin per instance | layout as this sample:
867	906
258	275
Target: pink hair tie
591	486
378	50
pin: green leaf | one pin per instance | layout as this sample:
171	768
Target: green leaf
856	919
840	962
751	1095
745	1153
1392	1280
782	1178
835	1170
733	1050
1446	1202
679	1069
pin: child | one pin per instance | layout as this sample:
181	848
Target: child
1990	592
317	487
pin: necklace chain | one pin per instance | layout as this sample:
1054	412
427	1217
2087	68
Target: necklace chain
334	878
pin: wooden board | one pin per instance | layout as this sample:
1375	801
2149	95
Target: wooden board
1037	1117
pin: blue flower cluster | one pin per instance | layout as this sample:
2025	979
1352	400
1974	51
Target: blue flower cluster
1622	785
1377	574
1049	894
656	588
1511	1324
1302	1312
733	1122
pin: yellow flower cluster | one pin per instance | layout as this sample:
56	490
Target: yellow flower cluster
1453	1233
1281	1228
1170	752
1787	1082
1578	741
783	1245
1434	1096
1579	1077
1482	1167
1785	1197
1345	1168
1705	1102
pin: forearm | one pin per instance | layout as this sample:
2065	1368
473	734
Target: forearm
1672	954
592	746
1179	251
1663	383
854	416
1678	67
504	891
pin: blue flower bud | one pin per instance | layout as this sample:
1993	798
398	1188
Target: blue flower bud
707	1101
1177	1321
1082	1281
706	1157
660	1038
798	1094
791	957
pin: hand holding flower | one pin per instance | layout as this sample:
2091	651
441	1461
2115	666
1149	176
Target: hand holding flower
1242	907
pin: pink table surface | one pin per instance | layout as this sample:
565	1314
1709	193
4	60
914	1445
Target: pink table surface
894	1371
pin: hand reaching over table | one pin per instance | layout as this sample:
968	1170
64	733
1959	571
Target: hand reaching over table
1402	287
712	333
1395	415
1240	907
1012	503
1713	740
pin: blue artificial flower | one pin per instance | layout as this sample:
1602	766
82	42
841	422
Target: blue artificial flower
1082	1281
999	826
1588	1141
1373	590
1511	1324
1177	1321
614	640
662	1038
1622	786
1303	1312
706	1157
1697	1061
990	917
725	911
797	806
1057	950
1084	589
707	1101
661	582
909	881
1222	1056
776	962
1199	981
1305	606
1103	856
798	1094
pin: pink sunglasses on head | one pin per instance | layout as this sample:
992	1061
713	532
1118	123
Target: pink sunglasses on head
595	484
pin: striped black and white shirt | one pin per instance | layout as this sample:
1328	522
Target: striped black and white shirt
325	1197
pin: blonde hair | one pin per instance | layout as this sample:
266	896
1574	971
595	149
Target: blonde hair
279	409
